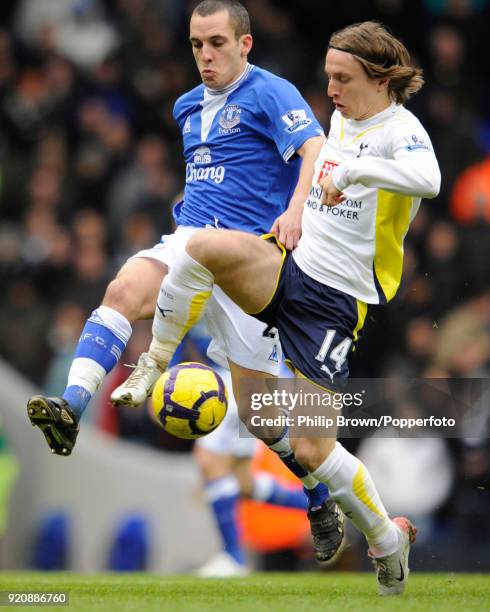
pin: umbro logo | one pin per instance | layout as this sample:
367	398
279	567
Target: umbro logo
164	310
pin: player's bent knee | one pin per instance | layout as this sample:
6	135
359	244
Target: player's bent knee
134	291
204	246
122	295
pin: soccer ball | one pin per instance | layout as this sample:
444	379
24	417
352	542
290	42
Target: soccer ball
190	400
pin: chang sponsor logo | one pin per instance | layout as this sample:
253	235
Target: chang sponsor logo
195	170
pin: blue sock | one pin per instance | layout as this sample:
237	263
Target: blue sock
101	344
78	398
317	496
270	491
223	495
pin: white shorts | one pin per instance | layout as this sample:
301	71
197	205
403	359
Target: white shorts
229	438
235	335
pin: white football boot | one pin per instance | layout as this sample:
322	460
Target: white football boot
392	571
139	385
222	565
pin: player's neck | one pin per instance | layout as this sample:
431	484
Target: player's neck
233	83
374	112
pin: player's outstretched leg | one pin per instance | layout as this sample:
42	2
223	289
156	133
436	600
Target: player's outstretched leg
130	296
102	342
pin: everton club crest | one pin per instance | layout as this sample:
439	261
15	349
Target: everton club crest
230	118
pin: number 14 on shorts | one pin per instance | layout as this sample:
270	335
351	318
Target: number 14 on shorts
336	354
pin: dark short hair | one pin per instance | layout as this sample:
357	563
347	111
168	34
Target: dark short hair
381	55
239	17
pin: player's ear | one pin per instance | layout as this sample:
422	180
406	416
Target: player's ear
246	43
383	84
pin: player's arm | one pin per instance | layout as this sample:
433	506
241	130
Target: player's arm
287	226
295	130
412	170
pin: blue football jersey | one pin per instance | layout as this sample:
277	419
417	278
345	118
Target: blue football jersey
239	147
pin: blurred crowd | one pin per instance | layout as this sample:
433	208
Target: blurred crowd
91	163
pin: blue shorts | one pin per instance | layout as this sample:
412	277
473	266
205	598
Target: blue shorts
318	325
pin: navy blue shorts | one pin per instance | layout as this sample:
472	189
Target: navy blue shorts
318	325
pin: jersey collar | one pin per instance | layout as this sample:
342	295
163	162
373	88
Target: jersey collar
232	86
381	116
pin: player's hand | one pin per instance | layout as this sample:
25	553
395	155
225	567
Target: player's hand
331	195
287	227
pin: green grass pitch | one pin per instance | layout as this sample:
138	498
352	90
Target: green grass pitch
257	593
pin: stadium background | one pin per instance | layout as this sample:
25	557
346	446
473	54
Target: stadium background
90	164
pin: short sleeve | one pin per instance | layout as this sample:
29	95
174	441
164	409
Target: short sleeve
289	120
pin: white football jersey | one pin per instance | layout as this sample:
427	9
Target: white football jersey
384	166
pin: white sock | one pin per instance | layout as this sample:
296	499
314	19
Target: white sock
113	320
181	302
351	486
